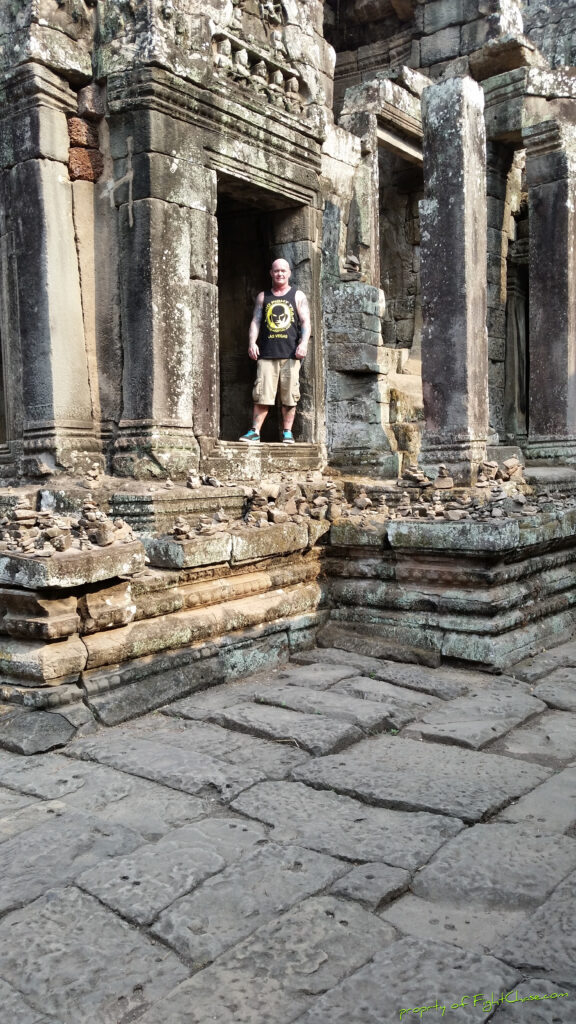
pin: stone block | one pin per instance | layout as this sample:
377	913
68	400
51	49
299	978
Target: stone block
85	164
83	133
171	554
345	828
33	732
549	740
474	35
33	616
39	664
439	15
440	46
465	784
231	906
252	544
106	608
78	960
409	973
372	885
35	134
476	930
370	716
318	734
478	719
72	568
330	937
497	866
160	761
546	941
55	852
92	102
551	807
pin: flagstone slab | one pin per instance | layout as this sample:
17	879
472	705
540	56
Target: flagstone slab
538	1001
54	852
317	674
550	740
468	927
558	689
74	960
318	734
444	683
150	809
372	885
418	977
498	865
171	766
346	828
547	941
278	971
10	802
477	719
370	716
274	759
147	881
227	908
390	694
17	1010
401	773
551	807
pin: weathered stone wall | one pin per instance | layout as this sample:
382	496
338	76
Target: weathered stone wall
551	25
436	37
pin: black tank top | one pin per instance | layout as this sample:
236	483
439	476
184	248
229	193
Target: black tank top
280	327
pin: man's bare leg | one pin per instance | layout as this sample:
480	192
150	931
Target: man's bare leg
259	415
288	414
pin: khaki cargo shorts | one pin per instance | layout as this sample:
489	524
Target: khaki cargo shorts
270	373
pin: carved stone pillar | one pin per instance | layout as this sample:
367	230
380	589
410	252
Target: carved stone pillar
49	405
453	275
551	176
167	202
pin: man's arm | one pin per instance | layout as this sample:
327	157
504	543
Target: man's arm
305	324
254	329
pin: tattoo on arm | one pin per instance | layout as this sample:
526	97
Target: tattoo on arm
305	321
254	329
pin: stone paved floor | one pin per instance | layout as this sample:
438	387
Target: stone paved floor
344	841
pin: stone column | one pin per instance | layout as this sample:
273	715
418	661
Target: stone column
49	405
453	275
167	202
551	176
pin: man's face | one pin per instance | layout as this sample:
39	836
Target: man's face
280	274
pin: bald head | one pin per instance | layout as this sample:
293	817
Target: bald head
280	273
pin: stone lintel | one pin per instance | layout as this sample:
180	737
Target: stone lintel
32	85
390	102
156	89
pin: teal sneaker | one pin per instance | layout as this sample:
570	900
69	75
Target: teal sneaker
287	437
252	436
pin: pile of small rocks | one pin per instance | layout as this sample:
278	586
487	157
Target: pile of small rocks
40	534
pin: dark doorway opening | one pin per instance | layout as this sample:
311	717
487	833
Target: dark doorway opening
251	234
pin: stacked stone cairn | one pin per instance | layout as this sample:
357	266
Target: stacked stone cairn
41	534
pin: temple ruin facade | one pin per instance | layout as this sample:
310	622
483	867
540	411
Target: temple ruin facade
415	162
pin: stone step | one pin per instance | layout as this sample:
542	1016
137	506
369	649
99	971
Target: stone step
361	640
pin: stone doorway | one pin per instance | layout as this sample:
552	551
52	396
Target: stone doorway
251	234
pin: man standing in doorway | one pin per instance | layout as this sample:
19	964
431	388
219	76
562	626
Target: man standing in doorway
278	339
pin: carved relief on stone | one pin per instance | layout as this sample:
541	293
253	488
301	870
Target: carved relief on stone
264	74
271	11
